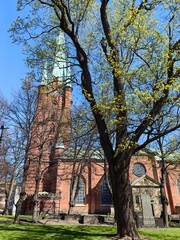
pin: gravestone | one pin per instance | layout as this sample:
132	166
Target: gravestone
148	218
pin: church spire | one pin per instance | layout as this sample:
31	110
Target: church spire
61	68
44	79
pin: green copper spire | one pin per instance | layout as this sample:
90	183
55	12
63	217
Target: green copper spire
61	69
44	79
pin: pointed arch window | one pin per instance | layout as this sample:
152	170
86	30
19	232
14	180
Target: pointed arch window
80	199
178	184
106	198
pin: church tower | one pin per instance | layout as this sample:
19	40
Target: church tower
50	132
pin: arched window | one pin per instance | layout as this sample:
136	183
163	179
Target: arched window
178	184
106	198
46	182
80	199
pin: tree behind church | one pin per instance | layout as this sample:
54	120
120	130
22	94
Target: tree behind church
83	146
21	116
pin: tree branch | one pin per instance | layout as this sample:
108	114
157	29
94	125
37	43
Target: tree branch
158	136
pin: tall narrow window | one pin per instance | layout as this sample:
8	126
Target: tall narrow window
80	199
53	116
137	199
178	184
106	198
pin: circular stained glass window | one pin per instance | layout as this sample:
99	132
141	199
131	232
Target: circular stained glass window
139	170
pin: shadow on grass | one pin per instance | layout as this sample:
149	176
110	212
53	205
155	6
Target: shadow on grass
21	232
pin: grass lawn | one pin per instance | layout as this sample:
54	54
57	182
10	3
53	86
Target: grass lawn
27	231
162	234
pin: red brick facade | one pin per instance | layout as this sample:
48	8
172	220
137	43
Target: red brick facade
53	111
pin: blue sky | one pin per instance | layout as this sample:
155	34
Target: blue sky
11	64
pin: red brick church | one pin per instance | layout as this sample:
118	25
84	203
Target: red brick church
51	162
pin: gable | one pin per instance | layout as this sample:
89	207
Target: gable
145	181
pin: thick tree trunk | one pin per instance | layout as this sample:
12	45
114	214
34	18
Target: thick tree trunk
122	199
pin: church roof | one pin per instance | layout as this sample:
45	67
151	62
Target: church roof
72	153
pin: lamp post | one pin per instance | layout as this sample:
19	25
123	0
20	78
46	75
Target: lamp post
2	130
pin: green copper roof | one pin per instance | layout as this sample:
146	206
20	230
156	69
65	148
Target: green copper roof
61	68
72	153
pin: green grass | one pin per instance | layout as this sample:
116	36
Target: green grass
63	232
162	234
27	231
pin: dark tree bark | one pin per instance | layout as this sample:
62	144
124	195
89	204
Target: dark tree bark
162	186
122	198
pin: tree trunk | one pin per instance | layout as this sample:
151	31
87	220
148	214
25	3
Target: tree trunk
5	211
22	195
162	190
122	199
19	206
71	208
35	197
35	210
8	196
164	207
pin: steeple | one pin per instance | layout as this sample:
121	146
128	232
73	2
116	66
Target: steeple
44	79
61	69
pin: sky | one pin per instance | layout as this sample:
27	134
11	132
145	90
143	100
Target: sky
12	66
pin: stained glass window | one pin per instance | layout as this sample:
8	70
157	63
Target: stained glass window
106	198
80	199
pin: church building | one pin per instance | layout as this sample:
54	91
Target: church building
51	163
